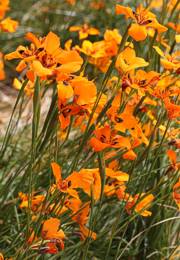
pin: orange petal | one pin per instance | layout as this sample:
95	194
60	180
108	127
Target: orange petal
172	156
93	31
96	187
21	66
64	121
88	180
176	193
97	145
86	232
17	84
38	68
64	92
84	89
83	35
56	171
30	75
31	37
143	204
8	25
14	54
159	27
130	155
138	32
118	175
83	179
120	9
159	51
71	61
65	57
74	28
52	42
50	229
73	193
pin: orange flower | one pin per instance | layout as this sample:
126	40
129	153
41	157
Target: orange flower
116	183
141	206
130	155
97	4
2	72
141	81
32	237
115	187
95	50
66	111
68	61
71	2
169	62
4	7
127	121
36	201
177	38
170	4
29	88
176	193
81	218
175	142
143	19
73	204
112	157
1	256
50	231
112	36
117	175
86	232
105	138
84	31
127	61
62	185
8	25
45	58
100	53
88	180
175	27
173	110
173	158
78	88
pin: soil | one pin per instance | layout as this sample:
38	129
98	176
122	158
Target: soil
8	97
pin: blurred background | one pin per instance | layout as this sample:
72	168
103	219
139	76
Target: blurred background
40	17
43	16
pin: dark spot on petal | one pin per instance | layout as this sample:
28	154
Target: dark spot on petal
118	119
40	49
146	22
65	83
21	51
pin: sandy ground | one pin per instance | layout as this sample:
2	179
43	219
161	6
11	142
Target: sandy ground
8	97
7	100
